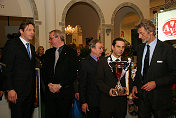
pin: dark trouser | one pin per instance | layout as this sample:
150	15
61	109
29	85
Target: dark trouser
119	109
22	108
145	109
93	112
118	114
58	107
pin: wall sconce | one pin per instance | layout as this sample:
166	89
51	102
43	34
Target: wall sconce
108	31
161	9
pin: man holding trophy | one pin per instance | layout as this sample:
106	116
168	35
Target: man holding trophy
112	83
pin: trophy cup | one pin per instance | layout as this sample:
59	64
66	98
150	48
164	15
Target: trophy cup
120	69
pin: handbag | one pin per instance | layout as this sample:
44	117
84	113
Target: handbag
76	110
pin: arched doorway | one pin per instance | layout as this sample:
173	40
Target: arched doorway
124	18
91	6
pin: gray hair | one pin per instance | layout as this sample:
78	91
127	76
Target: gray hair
148	26
58	33
93	43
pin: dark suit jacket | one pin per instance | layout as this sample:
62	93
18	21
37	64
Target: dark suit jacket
65	70
20	70
162	70
106	80
87	82
1	80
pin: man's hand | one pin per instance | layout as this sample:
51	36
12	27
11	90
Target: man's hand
149	86
54	87
134	92
110	92
12	96
77	96
85	108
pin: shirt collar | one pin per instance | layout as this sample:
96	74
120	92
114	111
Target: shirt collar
24	41
114	58
60	48
152	44
94	57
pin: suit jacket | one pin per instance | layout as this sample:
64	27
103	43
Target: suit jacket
106	79
162	70
20	69
1	79
65	70
87	82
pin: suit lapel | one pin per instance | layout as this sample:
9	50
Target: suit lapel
140	55
92	61
157	51
32	51
23	48
62	54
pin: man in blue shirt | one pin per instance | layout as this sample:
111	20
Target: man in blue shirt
156	71
89	95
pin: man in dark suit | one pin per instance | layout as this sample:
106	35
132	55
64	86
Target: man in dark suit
59	72
19	80
89	94
156	71
111	105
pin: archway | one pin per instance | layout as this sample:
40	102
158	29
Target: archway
124	11
91	4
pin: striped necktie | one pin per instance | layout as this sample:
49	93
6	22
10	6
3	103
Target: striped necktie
28	50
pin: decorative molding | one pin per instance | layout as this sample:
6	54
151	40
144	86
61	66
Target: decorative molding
61	24
37	22
2	4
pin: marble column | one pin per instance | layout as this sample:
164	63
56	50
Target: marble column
50	18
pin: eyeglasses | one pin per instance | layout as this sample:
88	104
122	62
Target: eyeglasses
51	38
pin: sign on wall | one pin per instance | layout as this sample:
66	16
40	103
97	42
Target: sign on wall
167	25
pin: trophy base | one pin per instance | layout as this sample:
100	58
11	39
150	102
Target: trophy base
120	92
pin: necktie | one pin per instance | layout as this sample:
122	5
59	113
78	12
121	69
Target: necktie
117	60
146	64
97	58
56	56
28	50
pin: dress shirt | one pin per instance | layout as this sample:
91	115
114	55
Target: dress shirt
114	58
152	48
24	42
94	57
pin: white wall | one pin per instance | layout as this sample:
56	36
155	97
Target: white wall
15	8
43	40
49	19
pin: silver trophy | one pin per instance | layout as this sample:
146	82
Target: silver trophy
121	68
